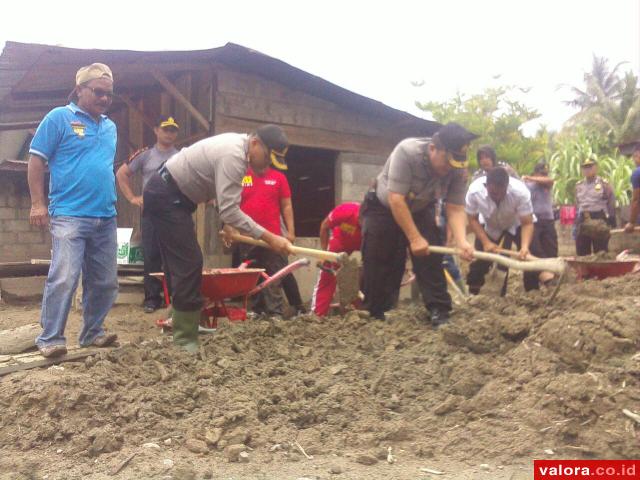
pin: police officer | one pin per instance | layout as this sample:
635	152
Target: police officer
400	212
595	202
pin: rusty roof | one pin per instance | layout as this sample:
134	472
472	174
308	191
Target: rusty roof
32	71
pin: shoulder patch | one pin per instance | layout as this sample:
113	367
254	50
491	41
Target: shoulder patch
136	153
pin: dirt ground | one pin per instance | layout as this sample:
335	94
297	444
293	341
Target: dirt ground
508	380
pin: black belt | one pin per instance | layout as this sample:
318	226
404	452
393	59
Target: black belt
165	175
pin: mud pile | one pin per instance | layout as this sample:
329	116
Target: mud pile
508	378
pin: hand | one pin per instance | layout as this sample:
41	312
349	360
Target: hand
137	201
490	247
466	251
291	237
523	253
629	227
419	247
39	215
226	234
279	244
525	178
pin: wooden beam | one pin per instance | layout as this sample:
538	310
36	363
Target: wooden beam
4	127
134	109
175	93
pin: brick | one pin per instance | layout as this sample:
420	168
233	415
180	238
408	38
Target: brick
8	213
24	213
16	226
8	238
31	237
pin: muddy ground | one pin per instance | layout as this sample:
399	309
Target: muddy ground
508	380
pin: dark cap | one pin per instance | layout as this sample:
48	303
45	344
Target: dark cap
165	121
589	162
276	141
455	139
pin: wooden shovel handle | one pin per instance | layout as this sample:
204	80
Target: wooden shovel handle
556	265
338	257
621	230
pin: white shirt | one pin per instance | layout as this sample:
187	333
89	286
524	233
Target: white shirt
503	216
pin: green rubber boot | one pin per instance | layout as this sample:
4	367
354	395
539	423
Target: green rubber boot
185	330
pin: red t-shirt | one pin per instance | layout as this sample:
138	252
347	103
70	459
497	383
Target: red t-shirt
261	197
346	235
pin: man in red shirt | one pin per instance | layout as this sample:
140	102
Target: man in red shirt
264	198
346	236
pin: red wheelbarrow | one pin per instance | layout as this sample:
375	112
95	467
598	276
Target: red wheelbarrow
602	269
220	284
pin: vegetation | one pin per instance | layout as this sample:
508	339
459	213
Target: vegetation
608	115
497	118
570	152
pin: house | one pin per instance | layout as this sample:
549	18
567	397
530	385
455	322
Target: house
339	139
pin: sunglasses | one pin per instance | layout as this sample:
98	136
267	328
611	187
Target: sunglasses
99	93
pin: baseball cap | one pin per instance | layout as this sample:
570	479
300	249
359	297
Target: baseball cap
456	139
92	72
588	162
276	141
166	121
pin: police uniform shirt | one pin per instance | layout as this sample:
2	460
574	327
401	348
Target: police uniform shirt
409	173
594	196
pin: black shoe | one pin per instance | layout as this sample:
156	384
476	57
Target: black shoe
438	317
149	308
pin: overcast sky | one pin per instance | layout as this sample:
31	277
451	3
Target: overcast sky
374	50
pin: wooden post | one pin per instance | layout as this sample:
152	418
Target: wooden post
180	98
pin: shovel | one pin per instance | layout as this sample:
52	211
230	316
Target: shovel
311	252
495	282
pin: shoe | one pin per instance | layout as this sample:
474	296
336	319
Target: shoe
149	308
51	351
105	340
438	317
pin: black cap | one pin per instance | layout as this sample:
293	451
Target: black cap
165	121
276	141
455	138
588	162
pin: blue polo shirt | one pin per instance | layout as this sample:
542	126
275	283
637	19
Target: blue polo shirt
635	178
80	153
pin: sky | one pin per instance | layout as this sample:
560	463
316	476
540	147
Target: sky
378	51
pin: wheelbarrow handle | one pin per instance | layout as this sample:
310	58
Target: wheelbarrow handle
338	257
556	265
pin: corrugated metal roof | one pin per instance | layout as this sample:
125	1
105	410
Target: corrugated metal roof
29	70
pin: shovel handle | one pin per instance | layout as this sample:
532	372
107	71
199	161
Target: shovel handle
621	230
338	257
555	265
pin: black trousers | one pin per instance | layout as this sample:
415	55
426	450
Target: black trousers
478	269
170	212
268	300
153	294
384	254
292	291
587	245
545	238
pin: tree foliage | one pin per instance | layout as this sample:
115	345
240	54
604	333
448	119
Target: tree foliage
608	104
498	118
571	151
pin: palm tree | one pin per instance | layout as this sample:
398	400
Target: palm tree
599	83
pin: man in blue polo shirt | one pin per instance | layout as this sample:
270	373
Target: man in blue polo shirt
78	144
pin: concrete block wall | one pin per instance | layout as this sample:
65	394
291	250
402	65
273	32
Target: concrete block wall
19	241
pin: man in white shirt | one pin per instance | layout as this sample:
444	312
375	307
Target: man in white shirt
499	209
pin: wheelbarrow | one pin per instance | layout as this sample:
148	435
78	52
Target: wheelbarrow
222	284
600	270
